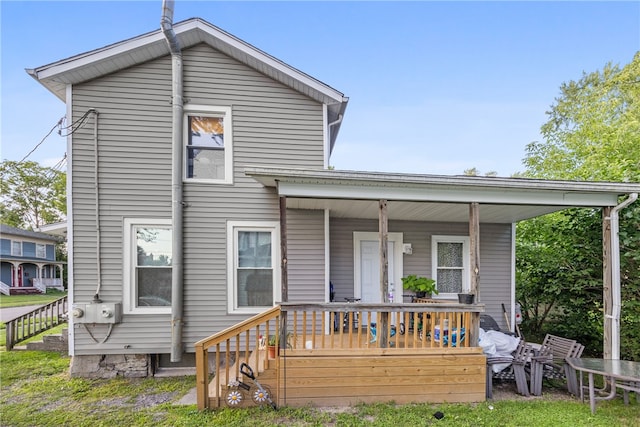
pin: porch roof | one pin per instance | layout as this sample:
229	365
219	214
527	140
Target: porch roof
355	194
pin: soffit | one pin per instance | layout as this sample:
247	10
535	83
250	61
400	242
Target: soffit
121	55
421	211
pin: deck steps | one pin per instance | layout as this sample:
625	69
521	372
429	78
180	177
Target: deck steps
266	369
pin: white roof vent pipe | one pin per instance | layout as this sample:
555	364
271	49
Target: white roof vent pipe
177	309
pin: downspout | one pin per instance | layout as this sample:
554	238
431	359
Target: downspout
337	121
329	127
615	276
177	309
96	188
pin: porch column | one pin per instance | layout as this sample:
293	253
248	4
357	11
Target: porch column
384	256
284	279
474	256
383	227
283	250
16	274
607	290
474	243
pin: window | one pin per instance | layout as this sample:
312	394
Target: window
41	250
147	274
450	264
16	248
208	144
252	276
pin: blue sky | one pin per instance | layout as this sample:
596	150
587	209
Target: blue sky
434	87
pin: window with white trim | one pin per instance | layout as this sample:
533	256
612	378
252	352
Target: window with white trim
41	250
450	259
147	265
208	144
253	276
16	248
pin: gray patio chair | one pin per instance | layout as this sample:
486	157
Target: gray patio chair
549	362
514	372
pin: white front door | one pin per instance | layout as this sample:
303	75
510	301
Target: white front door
367	266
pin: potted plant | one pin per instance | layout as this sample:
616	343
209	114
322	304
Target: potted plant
272	345
422	286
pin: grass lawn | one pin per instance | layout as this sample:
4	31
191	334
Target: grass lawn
37	391
22	300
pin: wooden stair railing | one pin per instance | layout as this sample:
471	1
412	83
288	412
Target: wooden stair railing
231	345
35	322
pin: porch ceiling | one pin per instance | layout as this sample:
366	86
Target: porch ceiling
420	211
351	194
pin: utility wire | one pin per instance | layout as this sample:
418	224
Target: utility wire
73	127
46	136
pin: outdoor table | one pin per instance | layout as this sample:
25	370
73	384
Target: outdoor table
622	370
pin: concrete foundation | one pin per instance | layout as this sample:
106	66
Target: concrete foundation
111	366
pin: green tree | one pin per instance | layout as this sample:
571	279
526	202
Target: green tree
592	133
31	195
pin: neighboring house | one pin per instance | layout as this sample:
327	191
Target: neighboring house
29	262
254	216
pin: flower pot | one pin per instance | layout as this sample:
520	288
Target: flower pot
272	351
466	298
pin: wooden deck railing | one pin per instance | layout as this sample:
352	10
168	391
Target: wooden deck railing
36	322
332	327
361	325
232	345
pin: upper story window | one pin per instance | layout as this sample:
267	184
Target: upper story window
450	264
209	144
16	248
41	250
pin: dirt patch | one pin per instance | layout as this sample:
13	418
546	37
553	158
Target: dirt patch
506	390
142	401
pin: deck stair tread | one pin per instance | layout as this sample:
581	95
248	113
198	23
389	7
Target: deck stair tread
266	368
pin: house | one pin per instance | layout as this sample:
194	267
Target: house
29	262
201	196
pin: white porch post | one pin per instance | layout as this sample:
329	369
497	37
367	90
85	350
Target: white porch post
16	269
607	296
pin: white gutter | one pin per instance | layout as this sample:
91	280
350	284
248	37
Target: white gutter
615	276
177	309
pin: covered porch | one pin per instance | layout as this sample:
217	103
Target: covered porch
407	357
478	207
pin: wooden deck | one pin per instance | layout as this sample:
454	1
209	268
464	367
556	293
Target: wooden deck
340	375
346	367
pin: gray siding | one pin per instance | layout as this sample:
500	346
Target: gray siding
272	126
306	258
495	253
